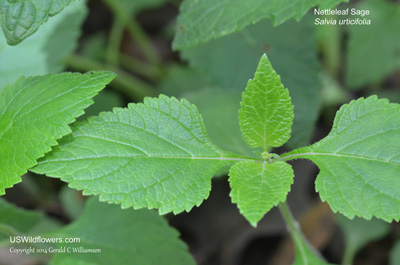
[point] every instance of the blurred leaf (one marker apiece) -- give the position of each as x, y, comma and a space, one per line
231, 61
395, 254
106, 100
220, 110
393, 96
373, 51
35, 112
180, 80
21, 18
123, 236
201, 21
95, 46
72, 202
44, 51
16, 218
359, 232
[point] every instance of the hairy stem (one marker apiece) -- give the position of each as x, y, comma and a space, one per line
301, 243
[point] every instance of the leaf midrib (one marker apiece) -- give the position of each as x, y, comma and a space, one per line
222, 158
303, 155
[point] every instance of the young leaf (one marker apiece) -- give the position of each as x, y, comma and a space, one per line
257, 187
291, 49
201, 21
21, 18
156, 155
359, 160
45, 51
266, 113
137, 237
364, 40
35, 111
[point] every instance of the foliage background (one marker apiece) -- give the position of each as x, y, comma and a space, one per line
323, 67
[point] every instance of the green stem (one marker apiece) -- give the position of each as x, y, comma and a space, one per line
144, 69
124, 82
114, 42
143, 41
348, 256
300, 242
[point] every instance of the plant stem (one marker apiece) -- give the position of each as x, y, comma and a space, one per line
348, 256
114, 42
143, 41
300, 242
145, 69
125, 82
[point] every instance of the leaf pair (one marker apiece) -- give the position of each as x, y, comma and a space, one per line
157, 154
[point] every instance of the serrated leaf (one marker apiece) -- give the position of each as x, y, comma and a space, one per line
155, 155
21, 18
137, 237
257, 187
359, 232
201, 21
292, 50
35, 111
45, 51
266, 113
359, 160
366, 62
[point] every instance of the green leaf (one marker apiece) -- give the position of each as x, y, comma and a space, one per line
292, 50
201, 21
137, 237
359, 160
257, 187
359, 232
367, 63
156, 155
266, 113
395, 254
21, 18
35, 111
16, 219
45, 51
126, 8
